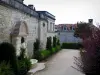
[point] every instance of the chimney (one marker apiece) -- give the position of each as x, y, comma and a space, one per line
90, 21
31, 6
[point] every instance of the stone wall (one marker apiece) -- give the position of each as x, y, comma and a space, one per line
8, 19
68, 37
43, 33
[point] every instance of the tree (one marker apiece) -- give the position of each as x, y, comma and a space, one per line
83, 30
89, 62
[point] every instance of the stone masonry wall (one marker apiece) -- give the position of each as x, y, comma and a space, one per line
8, 19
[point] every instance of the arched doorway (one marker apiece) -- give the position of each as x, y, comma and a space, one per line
19, 36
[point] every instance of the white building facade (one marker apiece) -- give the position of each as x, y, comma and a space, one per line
66, 33
23, 24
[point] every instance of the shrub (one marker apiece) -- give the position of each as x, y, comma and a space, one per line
58, 47
37, 55
24, 63
24, 66
22, 54
36, 45
5, 69
8, 54
58, 42
90, 59
36, 48
49, 43
54, 50
54, 41
45, 54
71, 45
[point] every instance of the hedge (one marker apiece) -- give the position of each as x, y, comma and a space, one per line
71, 46
44, 54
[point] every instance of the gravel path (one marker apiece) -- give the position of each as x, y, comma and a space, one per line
60, 64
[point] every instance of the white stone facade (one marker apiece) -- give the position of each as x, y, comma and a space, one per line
15, 25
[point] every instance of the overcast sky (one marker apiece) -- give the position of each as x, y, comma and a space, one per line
69, 11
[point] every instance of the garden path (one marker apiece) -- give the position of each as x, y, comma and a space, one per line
60, 64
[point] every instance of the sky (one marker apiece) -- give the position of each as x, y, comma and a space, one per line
69, 11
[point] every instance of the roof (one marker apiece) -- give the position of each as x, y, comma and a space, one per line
47, 14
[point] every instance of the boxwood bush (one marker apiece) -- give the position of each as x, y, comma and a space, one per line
5, 69
8, 54
71, 45
45, 53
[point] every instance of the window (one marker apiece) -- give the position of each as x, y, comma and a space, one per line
43, 24
22, 40
50, 26
65, 28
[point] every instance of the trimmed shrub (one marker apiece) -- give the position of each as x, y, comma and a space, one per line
71, 45
8, 54
54, 50
58, 42
24, 63
49, 43
24, 66
58, 47
36, 45
37, 55
22, 54
36, 48
5, 69
54, 41
45, 54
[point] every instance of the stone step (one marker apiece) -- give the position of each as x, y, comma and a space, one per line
40, 66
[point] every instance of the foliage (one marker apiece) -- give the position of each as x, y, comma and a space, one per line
36, 48
90, 59
58, 42
58, 47
54, 50
54, 41
24, 63
23, 66
81, 29
45, 54
36, 45
22, 54
71, 45
5, 69
49, 43
8, 54
37, 55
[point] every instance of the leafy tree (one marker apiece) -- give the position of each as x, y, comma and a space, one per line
89, 62
83, 30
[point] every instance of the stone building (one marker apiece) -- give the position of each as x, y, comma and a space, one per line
66, 33
20, 24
